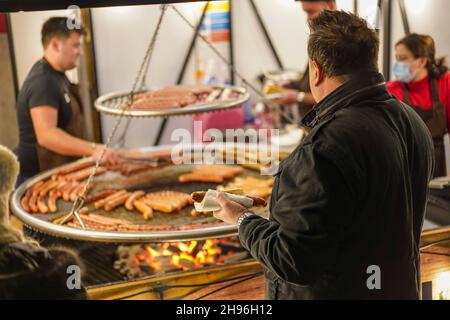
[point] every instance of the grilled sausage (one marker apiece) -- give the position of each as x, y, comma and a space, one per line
99, 195
48, 186
43, 186
52, 197
60, 186
85, 173
195, 177
159, 205
73, 167
129, 204
143, 208
25, 200
76, 192
35, 189
42, 207
88, 189
195, 213
83, 211
101, 203
36, 186
114, 203
67, 191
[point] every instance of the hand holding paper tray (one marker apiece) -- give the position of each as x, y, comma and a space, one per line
206, 201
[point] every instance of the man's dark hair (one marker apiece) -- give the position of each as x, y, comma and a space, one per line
342, 44
57, 27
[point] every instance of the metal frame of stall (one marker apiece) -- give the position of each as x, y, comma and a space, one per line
385, 7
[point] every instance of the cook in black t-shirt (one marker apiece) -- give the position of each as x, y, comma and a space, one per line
49, 109
42, 87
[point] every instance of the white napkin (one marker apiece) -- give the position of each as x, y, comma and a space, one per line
210, 203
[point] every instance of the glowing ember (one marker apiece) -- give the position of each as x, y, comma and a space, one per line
140, 260
181, 255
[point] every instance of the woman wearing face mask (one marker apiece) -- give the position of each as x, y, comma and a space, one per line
423, 82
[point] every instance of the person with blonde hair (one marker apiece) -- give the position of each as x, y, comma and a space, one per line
9, 170
28, 271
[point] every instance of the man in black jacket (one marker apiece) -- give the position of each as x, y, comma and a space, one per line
348, 204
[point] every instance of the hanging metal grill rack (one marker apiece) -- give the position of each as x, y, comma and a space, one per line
116, 103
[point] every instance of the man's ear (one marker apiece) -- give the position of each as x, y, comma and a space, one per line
55, 44
319, 75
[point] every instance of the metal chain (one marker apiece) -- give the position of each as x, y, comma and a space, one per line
79, 202
271, 104
120, 143
142, 73
148, 54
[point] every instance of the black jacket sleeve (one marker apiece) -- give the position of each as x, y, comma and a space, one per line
312, 205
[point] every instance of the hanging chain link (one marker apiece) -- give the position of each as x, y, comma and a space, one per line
141, 75
272, 105
148, 55
120, 143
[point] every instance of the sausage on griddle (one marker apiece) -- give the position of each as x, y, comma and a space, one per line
42, 207
32, 202
159, 205
114, 203
100, 195
70, 168
24, 201
143, 208
129, 204
49, 185
52, 197
101, 203
85, 173
67, 190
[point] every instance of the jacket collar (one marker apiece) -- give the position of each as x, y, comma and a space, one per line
361, 86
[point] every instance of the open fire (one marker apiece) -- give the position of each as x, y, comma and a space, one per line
143, 260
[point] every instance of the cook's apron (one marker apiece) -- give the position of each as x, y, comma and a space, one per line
75, 127
436, 121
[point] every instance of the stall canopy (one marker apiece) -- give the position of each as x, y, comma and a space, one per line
33, 5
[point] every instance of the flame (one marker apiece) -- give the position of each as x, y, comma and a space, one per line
180, 255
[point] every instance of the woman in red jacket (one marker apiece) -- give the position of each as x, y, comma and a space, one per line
423, 82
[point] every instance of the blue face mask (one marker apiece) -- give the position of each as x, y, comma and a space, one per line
402, 72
